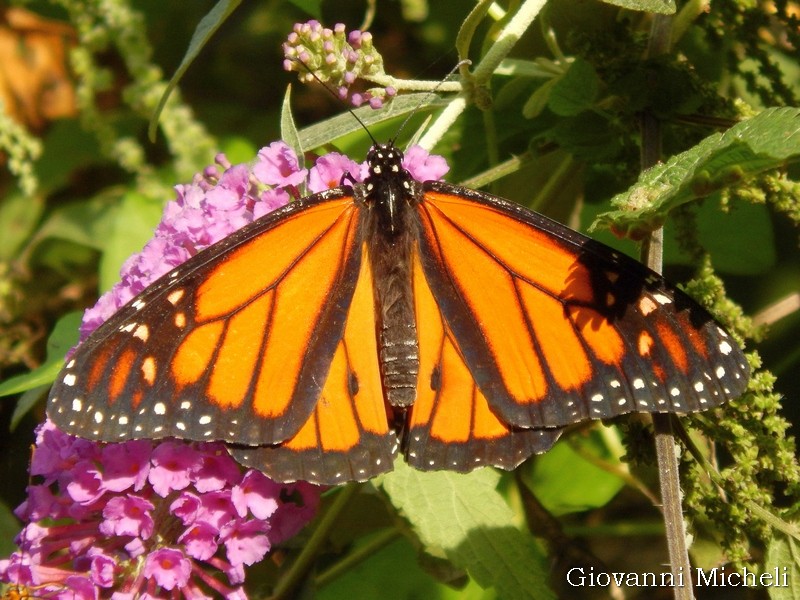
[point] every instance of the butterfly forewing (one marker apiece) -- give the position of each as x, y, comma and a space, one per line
556, 328
347, 437
235, 344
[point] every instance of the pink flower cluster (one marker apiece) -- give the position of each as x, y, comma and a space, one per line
336, 57
145, 520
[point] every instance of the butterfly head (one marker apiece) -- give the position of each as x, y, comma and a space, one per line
385, 162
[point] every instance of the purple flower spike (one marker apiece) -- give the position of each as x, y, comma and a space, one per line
102, 540
126, 465
423, 165
337, 58
278, 165
168, 567
129, 515
329, 170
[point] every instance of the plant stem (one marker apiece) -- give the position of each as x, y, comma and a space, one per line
291, 579
355, 557
506, 40
674, 524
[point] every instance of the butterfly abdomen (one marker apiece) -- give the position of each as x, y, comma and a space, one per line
397, 341
389, 231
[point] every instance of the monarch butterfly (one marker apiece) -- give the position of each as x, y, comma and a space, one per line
455, 325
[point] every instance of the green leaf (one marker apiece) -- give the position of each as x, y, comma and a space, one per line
64, 337
26, 402
326, 131
238, 149
67, 149
662, 7
130, 228
88, 223
586, 137
575, 91
783, 561
463, 517
723, 235
205, 29
767, 141
9, 528
392, 573
289, 133
588, 485
312, 7
19, 215
469, 26
539, 99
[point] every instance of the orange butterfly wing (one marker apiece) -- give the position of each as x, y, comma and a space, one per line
235, 344
347, 437
451, 425
556, 328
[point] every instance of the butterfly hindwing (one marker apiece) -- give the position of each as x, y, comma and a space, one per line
234, 345
451, 425
556, 328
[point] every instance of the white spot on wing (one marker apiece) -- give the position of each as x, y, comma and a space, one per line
69, 379
160, 408
175, 297
77, 404
142, 332
646, 305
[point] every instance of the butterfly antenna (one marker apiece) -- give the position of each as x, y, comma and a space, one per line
459, 64
338, 99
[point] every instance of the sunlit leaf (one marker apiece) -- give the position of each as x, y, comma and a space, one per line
783, 563
664, 7
481, 537
768, 141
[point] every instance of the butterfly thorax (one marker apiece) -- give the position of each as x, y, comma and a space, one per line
389, 188
390, 192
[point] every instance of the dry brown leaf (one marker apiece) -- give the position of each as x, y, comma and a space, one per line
35, 83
